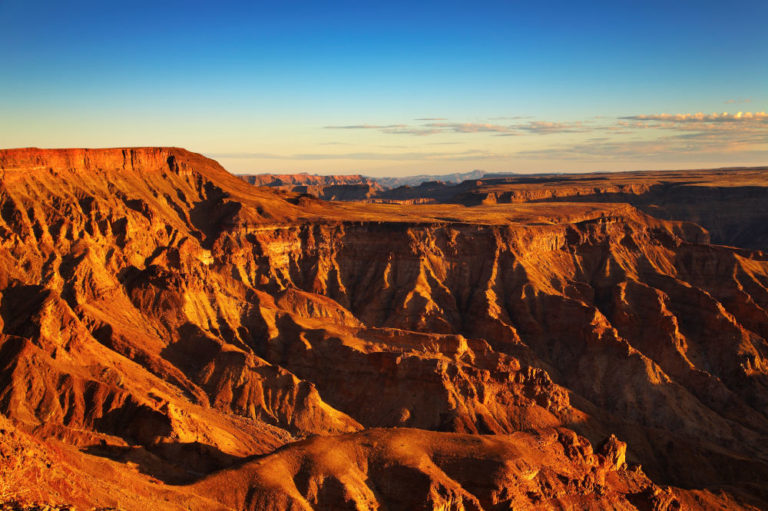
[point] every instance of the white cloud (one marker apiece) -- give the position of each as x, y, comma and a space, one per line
641, 136
547, 128
701, 117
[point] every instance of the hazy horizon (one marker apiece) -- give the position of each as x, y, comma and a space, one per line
510, 172
394, 89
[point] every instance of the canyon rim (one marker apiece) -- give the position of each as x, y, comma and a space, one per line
383, 256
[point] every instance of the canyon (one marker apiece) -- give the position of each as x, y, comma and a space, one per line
172, 336
340, 187
706, 197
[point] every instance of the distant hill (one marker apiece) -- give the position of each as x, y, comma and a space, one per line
359, 186
339, 187
279, 180
394, 182
303, 178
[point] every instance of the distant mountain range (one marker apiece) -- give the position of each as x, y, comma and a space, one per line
458, 177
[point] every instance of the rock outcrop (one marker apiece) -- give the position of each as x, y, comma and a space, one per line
732, 204
412, 469
162, 318
343, 187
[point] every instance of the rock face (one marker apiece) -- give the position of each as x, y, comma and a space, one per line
732, 204
344, 187
411, 469
277, 180
222, 346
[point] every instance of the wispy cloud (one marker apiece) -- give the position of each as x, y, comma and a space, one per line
733, 101
682, 139
701, 117
651, 136
548, 128
705, 132
641, 150
429, 128
470, 127
433, 128
670, 136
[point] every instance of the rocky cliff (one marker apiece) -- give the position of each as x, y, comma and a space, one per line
340, 187
732, 204
222, 346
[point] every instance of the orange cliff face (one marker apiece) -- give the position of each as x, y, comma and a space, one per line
341, 187
276, 180
732, 204
172, 331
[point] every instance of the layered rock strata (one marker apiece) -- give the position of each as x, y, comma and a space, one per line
163, 318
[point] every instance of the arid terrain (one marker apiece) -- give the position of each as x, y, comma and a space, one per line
350, 187
173, 337
732, 204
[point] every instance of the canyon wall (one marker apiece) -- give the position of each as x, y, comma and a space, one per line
222, 346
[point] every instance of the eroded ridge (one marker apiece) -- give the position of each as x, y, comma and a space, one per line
172, 334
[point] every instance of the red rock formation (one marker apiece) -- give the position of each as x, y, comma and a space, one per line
731, 203
411, 469
165, 317
304, 179
341, 187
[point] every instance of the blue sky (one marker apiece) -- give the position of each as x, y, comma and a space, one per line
393, 88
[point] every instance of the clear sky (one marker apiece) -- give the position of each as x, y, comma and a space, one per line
392, 87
